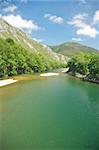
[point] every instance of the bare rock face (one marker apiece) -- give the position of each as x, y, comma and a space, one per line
8, 31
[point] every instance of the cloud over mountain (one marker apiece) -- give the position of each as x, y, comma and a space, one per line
19, 22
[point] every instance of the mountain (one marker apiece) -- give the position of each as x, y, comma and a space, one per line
72, 48
20, 54
8, 31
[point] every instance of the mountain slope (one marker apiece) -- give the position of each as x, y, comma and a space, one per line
8, 31
15, 60
71, 48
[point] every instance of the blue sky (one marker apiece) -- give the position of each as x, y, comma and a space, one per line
53, 22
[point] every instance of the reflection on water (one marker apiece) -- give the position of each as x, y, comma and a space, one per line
53, 113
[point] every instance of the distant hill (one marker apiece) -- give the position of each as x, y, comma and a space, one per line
71, 48
8, 31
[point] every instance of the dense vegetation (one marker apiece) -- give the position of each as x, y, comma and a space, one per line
72, 48
85, 64
27, 42
14, 60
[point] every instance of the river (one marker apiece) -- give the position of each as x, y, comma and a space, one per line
47, 113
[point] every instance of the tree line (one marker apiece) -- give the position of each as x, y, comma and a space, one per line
85, 64
15, 60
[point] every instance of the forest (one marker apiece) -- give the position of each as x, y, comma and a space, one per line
16, 60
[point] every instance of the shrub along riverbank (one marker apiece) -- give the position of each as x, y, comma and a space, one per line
87, 65
16, 60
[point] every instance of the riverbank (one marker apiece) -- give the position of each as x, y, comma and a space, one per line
36, 76
90, 80
83, 77
7, 82
49, 74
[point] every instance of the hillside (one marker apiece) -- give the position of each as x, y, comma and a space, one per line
8, 31
71, 48
20, 54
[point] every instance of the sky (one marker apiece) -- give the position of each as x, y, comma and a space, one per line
53, 22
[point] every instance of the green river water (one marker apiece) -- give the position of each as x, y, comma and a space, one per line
51, 113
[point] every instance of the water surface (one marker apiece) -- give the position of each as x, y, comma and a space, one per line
49, 113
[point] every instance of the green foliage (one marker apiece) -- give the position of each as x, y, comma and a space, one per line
72, 48
93, 67
14, 60
72, 64
85, 64
78, 63
9, 40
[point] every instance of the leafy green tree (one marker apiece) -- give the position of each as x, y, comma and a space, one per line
72, 64
93, 67
14, 60
85, 64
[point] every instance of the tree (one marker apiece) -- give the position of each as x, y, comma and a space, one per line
93, 67
14, 59
85, 64
72, 64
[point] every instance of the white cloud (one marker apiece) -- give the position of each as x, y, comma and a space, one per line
47, 15
81, 16
38, 40
96, 17
10, 9
88, 31
54, 18
78, 20
83, 28
77, 23
19, 22
77, 39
